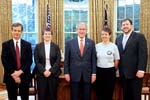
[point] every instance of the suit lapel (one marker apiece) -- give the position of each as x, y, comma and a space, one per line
51, 49
129, 40
77, 48
119, 43
85, 46
12, 46
121, 39
22, 47
43, 50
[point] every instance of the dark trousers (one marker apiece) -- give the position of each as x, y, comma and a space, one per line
12, 89
131, 88
80, 90
105, 83
47, 88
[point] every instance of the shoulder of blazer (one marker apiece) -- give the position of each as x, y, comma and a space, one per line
87, 39
7, 42
71, 41
138, 36
24, 42
54, 44
40, 44
119, 36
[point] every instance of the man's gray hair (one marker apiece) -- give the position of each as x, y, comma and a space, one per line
81, 23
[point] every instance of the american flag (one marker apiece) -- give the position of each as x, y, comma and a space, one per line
105, 16
48, 22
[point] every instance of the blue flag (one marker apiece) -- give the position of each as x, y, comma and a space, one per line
48, 22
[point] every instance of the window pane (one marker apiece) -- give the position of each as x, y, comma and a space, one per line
121, 12
69, 36
67, 26
83, 16
128, 9
136, 24
74, 23
136, 10
67, 15
31, 25
24, 11
30, 12
129, 2
118, 25
74, 12
75, 15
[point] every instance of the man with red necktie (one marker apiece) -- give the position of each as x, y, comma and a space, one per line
17, 59
80, 63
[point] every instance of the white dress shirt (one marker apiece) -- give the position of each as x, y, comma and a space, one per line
47, 55
79, 39
19, 44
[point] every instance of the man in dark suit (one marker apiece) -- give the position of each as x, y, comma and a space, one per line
47, 59
17, 64
80, 63
133, 60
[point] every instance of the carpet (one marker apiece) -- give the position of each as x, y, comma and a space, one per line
3, 95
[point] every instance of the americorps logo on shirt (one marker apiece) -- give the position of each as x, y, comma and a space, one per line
109, 52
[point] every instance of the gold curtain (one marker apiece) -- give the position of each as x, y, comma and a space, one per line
111, 17
96, 13
96, 19
145, 24
42, 7
5, 26
56, 8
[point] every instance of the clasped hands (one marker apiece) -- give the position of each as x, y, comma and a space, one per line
47, 73
16, 76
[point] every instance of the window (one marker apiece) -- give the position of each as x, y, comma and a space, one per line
128, 9
75, 11
24, 11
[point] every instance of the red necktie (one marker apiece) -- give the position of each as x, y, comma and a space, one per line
81, 47
18, 56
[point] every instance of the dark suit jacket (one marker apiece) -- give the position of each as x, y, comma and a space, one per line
75, 65
134, 56
40, 61
9, 60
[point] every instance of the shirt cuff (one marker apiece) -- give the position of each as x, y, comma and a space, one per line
141, 71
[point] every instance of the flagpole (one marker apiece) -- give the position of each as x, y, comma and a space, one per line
105, 15
48, 20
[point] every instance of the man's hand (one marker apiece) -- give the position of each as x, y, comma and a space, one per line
67, 77
17, 73
140, 74
93, 78
17, 80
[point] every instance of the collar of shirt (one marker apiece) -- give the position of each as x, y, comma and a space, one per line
19, 42
47, 43
80, 39
128, 35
